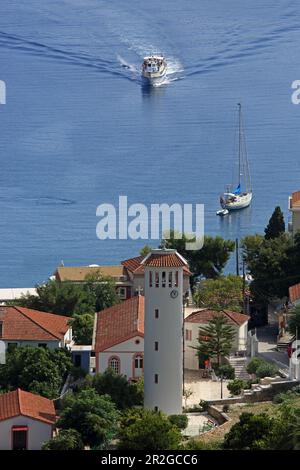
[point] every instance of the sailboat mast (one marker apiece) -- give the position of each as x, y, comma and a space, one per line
240, 144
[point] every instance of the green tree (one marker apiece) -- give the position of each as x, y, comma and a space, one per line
36, 370
276, 225
223, 293
66, 439
123, 393
252, 432
145, 250
67, 298
147, 430
82, 328
208, 262
216, 338
95, 417
268, 256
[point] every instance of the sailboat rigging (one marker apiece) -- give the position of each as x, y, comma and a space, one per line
241, 196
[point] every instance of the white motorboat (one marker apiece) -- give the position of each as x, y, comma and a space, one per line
234, 199
222, 212
154, 69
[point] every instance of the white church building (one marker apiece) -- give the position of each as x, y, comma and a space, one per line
143, 335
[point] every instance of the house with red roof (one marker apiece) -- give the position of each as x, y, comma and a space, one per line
129, 276
26, 420
200, 318
20, 326
119, 336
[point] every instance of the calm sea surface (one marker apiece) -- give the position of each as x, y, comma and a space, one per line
79, 129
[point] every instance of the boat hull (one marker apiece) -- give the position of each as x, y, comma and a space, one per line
242, 201
154, 79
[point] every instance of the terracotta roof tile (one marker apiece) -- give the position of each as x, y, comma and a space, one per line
134, 265
164, 260
119, 323
20, 323
27, 404
205, 315
294, 292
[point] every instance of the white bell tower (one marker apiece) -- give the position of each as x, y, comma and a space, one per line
163, 341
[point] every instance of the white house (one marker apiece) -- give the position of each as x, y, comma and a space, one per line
200, 318
119, 338
26, 420
20, 326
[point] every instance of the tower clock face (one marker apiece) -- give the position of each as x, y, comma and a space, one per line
174, 293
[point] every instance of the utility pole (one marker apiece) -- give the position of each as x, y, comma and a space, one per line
244, 289
237, 256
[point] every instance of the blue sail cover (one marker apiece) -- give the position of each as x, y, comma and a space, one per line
238, 190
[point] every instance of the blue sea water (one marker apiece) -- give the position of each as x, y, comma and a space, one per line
79, 129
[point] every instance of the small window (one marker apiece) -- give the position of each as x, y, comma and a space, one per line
42, 345
122, 293
188, 335
150, 279
138, 362
156, 408
77, 360
156, 313
156, 346
114, 364
156, 378
176, 279
170, 278
157, 279
163, 279
1, 329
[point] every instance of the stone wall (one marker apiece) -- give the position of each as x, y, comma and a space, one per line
266, 393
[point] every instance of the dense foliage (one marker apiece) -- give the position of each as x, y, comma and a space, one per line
66, 439
143, 429
223, 293
75, 300
95, 417
36, 370
123, 393
252, 432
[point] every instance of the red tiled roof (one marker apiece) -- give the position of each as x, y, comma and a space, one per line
205, 315
134, 265
27, 404
120, 323
294, 292
20, 323
164, 260
296, 199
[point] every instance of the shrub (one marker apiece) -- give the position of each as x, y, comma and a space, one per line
266, 370
181, 421
251, 432
226, 370
254, 365
66, 439
226, 408
236, 386
204, 405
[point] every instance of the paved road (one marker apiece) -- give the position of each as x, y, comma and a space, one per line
267, 336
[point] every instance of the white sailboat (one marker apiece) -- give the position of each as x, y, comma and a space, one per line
241, 196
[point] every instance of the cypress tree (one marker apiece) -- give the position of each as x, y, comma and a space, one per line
276, 225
